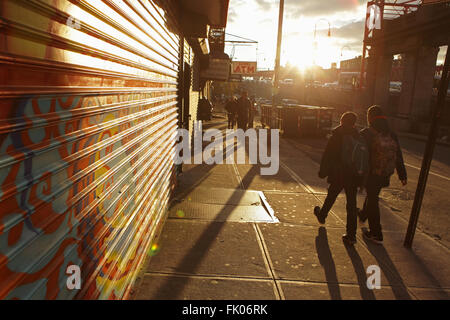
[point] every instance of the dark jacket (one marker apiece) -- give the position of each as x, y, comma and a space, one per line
243, 107
231, 106
331, 165
382, 125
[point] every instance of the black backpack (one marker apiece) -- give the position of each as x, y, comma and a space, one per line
355, 155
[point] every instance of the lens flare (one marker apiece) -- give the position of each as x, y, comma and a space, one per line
154, 249
180, 214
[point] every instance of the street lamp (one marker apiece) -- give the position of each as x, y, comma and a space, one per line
315, 27
275, 93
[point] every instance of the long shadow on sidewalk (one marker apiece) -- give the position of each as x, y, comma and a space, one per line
390, 271
366, 293
387, 265
194, 257
327, 262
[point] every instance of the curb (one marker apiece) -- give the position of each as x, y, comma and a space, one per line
421, 138
409, 135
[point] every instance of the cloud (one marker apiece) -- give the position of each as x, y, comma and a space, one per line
296, 8
232, 15
351, 31
311, 7
266, 5
258, 19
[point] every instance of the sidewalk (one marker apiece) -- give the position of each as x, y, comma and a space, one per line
422, 138
222, 240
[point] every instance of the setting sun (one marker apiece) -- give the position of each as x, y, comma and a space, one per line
303, 54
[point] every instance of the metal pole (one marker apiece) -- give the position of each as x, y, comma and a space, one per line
278, 54
363, 58
428, 156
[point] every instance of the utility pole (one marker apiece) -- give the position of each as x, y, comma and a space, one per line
428, 156
276, 84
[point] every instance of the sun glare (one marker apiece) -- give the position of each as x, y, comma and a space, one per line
303, 54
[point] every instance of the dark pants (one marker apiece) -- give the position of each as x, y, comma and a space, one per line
250, 121
231, 120
242, 123
350, 192
371, 209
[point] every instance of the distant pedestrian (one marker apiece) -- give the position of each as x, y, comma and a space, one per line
243, 109
345, 162
252, 111
385, 157
231, 108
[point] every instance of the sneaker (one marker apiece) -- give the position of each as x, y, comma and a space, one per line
370, 237
362, 217
350, 241
319, 217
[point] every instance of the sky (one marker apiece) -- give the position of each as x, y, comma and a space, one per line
258, 20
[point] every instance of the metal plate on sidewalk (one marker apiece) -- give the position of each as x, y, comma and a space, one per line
223, 205
236, 197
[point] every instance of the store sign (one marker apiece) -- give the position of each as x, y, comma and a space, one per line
245, 68
218, 69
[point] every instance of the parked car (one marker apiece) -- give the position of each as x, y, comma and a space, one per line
436, 83
331, 85
395, 86
289, 102
349, 80
288, 81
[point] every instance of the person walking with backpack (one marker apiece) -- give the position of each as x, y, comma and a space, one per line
385, 156
345, 162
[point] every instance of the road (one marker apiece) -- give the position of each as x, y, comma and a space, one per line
434, 217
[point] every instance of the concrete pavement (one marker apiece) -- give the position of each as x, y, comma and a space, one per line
222, 246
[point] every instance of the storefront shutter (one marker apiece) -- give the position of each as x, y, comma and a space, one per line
88, 121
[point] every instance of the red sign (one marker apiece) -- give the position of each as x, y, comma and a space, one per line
243, 67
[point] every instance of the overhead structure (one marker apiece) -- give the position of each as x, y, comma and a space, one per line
195, 18
203, 24
241, 41
377, 12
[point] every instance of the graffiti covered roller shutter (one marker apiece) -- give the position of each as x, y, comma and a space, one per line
88, 122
